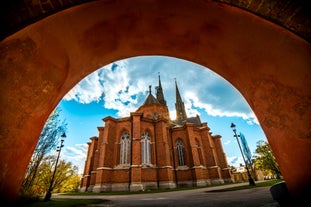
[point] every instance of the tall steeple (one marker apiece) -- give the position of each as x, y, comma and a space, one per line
159, 93
180, 106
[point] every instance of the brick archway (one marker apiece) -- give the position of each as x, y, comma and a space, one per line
266, 63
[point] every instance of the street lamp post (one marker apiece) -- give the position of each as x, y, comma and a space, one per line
250, 179
59, 148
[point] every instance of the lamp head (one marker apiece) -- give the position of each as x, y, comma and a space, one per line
233, 127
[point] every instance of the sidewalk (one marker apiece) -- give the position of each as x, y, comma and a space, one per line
215, 196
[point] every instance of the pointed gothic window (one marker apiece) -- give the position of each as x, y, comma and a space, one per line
145, 148
125, 148
181, 152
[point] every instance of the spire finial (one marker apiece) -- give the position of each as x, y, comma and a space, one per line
149, 89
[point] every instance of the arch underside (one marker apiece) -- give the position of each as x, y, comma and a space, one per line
266, 63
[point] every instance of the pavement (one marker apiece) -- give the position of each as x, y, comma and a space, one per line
216, 196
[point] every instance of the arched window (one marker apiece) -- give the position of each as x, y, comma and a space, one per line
125, 148
145, 148
181, 152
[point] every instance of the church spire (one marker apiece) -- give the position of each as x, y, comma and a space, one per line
159, 94
180, 106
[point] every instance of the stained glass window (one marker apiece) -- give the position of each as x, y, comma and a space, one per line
181, 152
145, 148
125, 148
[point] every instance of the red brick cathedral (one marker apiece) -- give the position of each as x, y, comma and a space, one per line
148, 150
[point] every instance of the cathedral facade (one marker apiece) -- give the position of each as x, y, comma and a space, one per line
148, 150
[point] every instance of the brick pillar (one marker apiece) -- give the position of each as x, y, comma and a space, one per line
214, 151
197, 171
86, 173
136, 184
214, 169
220, 152
223, 164
104, 168
166, 176
89, 163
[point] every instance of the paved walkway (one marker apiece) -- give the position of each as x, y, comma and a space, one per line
203, 197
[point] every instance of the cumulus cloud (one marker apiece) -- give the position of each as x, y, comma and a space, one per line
88, 90
76, 154
123, 86
235, 161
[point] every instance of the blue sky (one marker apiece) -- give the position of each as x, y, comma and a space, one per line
121, 87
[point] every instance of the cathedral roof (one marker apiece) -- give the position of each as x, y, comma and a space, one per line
150, 99
195, 120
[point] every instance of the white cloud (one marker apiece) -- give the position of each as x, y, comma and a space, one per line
227, 142
87, 90
76, 155
123, 85
235, 161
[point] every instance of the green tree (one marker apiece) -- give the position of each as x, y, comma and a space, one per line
264, 159
49, 137
66, 176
